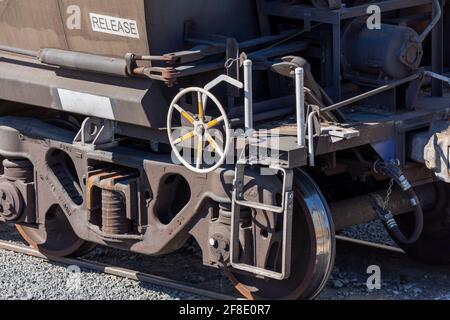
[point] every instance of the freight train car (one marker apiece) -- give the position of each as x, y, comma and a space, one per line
259, 128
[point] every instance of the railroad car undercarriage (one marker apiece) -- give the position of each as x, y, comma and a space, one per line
259, 140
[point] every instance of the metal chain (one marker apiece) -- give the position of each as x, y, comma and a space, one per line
388, 195
395, 162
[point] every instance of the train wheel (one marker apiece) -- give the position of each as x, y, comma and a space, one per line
433, 247
55, 237
313, 251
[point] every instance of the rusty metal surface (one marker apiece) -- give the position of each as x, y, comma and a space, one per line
114, 213
129, 193
31, 25
39, 24
210, 17
34, 25
17, 191
87, 40
132, 100
156, 237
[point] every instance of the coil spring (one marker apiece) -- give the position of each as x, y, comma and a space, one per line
18, 169
114, 213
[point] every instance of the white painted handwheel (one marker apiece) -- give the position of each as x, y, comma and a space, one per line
200, 130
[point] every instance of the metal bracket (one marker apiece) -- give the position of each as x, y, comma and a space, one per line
168, 75
340, 132
222, 78
96, 132
286, 209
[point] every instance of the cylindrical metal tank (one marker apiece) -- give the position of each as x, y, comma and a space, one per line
392, 51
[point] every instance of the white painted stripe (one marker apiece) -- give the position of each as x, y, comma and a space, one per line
86, 104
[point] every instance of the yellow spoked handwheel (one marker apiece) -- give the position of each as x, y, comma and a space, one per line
200, 130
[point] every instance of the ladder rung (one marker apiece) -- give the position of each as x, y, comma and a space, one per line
260, 206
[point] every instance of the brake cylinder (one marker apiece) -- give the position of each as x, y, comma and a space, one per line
84, 61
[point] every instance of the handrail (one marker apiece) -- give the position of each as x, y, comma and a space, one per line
434, 21
300, 106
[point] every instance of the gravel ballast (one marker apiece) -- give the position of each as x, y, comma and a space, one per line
372, 232
27, 278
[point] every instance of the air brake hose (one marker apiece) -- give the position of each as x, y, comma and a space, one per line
392, 170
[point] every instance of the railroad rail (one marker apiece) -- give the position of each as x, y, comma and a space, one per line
389, 251
118, 272
174, 284
370, 244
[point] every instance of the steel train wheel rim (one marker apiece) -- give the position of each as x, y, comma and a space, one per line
55, 238
321, 246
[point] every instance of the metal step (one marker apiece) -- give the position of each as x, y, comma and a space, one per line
238, 202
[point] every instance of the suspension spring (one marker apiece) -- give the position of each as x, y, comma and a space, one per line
114, 213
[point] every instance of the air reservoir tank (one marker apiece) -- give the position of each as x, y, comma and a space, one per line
391, 52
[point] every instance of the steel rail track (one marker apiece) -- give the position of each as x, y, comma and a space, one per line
372, 245
390, 252
163, 281
118, 272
